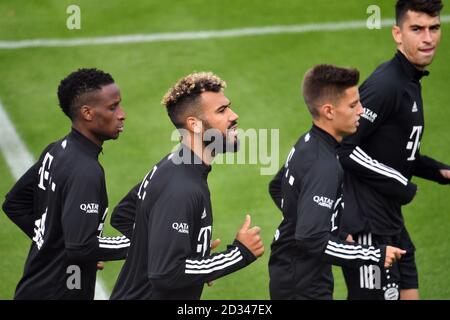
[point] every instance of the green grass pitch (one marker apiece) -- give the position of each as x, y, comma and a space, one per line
263, 75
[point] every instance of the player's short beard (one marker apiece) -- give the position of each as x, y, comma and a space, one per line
227, 145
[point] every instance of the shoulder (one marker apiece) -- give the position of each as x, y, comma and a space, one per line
79, 167
176, 180
306, 153
315, 158
388, 80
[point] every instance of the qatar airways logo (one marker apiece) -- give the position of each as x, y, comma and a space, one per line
181, 227
89, 207
323, 201
369, 115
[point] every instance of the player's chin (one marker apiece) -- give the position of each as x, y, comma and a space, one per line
352, 129
114, 135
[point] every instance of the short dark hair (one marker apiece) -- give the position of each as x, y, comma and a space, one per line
72, 88
182, 99
326, 81
430, 7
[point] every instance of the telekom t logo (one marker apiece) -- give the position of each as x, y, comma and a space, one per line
203, 243
43, 170
415, 143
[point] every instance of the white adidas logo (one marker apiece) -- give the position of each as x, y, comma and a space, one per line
414, 108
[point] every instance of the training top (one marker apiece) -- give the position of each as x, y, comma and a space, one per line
61, 204
384, 153
169, 256
308, 190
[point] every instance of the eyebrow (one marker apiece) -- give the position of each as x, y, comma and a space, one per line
422, 27
115, 102
224, 106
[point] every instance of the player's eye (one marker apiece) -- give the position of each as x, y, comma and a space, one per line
113, 107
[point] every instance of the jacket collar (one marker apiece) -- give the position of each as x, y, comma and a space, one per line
87, 145
186, 156
325, 136
409, 68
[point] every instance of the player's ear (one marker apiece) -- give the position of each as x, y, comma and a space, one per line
86, 113
397, 35
194, 125
327, 111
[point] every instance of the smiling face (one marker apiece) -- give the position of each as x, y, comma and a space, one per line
218, 116
418, 37
105, 114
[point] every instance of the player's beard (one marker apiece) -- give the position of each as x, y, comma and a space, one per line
227, 144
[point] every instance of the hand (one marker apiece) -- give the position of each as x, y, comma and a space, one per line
445, 173
250, 238
100, 265
350, 239
393, 254
214, 245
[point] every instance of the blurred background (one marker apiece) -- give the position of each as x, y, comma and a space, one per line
263, 73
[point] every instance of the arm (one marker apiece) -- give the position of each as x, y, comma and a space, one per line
430, 169
80, 228
123, 216
275, 188
354, 159
175, 258
18, 204
317, 209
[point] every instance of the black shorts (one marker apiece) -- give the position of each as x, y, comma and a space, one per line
375, 283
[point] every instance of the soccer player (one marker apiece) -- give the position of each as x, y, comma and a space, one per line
61, 201
383, 155
308, 190
170, 256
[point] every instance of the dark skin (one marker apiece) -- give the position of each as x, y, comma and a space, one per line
101, 117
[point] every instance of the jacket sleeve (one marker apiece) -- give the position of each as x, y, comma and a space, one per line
386, 180
275, 188
81, 228
18, 204
317, 208
124, 214
175, 258
428, 168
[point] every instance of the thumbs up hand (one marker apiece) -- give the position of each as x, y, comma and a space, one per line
250, 237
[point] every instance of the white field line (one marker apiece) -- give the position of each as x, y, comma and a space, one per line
16, 154
196, 35
19, 160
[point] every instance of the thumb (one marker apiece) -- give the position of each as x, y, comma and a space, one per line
215, 244
246, 224
398, 253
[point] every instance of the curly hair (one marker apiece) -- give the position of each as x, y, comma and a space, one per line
324, 82
76, 85
430, 7
182, 99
